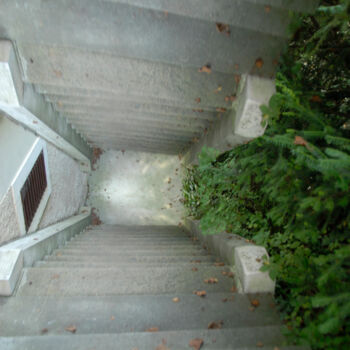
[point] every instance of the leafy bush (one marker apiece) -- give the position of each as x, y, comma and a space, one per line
290, 189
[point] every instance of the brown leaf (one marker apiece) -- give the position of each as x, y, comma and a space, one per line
112, 318
205, 69
44, 331
194, 269
230, 274
215, 325
162, 347
211, 280
255, 302
315, 98
259, 63
233, 289
58, 73
230, 98
71, 329
237, 78
221, 109
259, 344
196, 343
176, 300
224, 273
198, 99
200, 293
152, 329
267, 9
219, 264
224, 300
198, 110
55, 276
236, 66
300, 141
223, 28
218, 89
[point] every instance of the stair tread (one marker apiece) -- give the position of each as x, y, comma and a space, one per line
118, 314
130, 280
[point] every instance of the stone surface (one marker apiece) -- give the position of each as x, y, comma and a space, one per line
248, 261
9, 228
69, 187
137, 188
11, 263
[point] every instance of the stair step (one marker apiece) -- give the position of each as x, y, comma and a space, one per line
114, 281
126, 240
133, 252
132, 248
107, 265
126, 313
238, 338
132, 259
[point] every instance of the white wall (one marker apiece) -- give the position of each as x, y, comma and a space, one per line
69, 183
15, 143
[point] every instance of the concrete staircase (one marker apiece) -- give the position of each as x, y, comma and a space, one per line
132, 287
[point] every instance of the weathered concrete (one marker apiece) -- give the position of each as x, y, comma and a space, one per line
27, 250
69, 188
20, 103
129, 56
248, 262
137, 188
241, 124
245, 258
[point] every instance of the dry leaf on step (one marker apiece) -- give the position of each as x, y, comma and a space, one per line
196, 343
71, 329
152, 329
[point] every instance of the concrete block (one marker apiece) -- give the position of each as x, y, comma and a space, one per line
257, 91
11, 263
248, 261
227, 247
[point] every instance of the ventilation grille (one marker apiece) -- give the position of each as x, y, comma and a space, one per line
33, 189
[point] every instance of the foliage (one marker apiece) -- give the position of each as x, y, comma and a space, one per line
290, 189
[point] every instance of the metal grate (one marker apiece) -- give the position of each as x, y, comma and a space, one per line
33, 190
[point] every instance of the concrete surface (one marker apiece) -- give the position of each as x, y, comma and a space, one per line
27, 250
248, 261
245, 258
146, 53
68, 187
31, 110
134, 188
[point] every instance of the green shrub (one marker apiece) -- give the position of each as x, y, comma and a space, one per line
290, 189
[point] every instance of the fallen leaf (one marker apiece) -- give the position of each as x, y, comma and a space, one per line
251, 308
259, 344
169, 180
315, 98
55, 276
258, 260
224, 273
44, 331
215, 325
112, 318
219, 264
152, 329
205, 69
162, 347
233, 289
267, 9
219, 88
230, 274
259, 63
194, 269
176, 300
236, 66
300, 141
211, 280
223, 28
221, 109
200, 293
58, 73
276, 348
198, 110
255, 302
198, 99
196, 343
71, 329
224, 300
237, 78
230, 98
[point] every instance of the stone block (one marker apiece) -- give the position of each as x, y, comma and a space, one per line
248, 261
11, 263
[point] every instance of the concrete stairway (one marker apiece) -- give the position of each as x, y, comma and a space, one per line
110, 286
